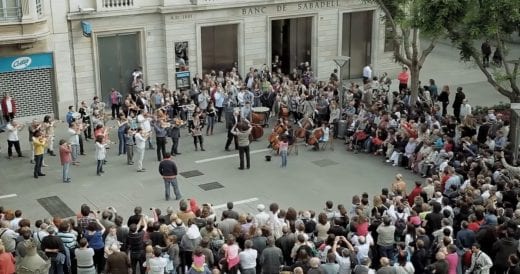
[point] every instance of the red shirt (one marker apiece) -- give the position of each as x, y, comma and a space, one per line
6, 263
474, 226
65, 155
416, 191
403, 77
362, 229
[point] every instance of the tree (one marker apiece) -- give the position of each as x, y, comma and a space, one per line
496, 20
406, 21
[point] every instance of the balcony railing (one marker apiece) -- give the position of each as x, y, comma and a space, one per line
23, 10
10, 14
106, 5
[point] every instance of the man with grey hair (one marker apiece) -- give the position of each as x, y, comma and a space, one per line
315, 267
262, 217
271, 258
8, 236
248, 258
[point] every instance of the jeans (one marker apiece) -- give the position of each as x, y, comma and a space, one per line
122, 142
74, 152
231, 137
161, 147
115, 110
56, 267
129, 154
99, 167
283, 154
81, 150
66, 168
175, 145
241, 152
38, 161
173, 183
387, 251
210, 125
140, 157
16, 145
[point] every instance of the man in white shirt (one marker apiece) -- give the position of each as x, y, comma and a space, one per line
13, 139
367, 73
248, 258
140, 145
262, 218
74, 142
143, 121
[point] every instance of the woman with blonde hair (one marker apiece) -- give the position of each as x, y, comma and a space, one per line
7, 262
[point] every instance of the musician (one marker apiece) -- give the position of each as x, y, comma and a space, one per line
160, 137
142, 102
101, 154
211, 114
74, 133
48, 129
39, 143
96, 104
122, 125
246, 111
130, 143
35, 126
140, 146
219, 101
143, 121
70, 115
196, 131
85, 112
12, 138
242, 131
175, 134
307, 124
325, 135
231, 121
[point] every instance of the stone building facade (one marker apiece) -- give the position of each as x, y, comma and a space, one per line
96, 44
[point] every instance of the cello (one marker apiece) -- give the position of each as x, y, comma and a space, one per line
315, 136
256, 132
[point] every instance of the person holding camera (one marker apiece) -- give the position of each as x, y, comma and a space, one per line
480, 262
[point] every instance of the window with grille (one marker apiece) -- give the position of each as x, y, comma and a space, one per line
39, 7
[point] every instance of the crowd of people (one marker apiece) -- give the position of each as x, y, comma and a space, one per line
463, 218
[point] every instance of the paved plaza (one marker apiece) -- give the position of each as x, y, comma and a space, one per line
310, 178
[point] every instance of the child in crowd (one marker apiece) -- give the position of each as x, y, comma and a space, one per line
66, 159
284, 147
100, 154
130, 142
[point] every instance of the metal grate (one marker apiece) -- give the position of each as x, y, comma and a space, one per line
191, 173
56, 207
211, 186
324, 163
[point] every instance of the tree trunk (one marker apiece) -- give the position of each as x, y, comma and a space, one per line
415, 72
514, 130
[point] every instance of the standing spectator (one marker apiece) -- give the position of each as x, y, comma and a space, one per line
12, 138
480, 262
94, 236
248, 258
168, 171
7, 262
160, 138
271, 258
84, 256
465, 109
175, 134
242, 131
65, 159
8, 107
367, 73
386, 238
486, 52
457, 103
118, 262
115, 102
444, 98
403, 79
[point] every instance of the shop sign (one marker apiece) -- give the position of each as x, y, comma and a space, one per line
26, 62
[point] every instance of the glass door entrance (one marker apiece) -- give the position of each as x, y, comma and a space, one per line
356, 42
291, 42
219, 46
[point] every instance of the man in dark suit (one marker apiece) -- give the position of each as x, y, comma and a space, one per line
175, 133
231, 121
271, 258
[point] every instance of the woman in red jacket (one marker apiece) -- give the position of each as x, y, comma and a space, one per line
403, 79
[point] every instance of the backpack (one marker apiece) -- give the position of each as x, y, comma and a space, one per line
400, 227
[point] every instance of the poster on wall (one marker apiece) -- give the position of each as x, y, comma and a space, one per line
182, 62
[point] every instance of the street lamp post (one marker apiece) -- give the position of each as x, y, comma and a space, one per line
341, 61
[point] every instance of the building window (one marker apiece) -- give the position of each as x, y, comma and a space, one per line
39, 7
389, 36
10, 10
